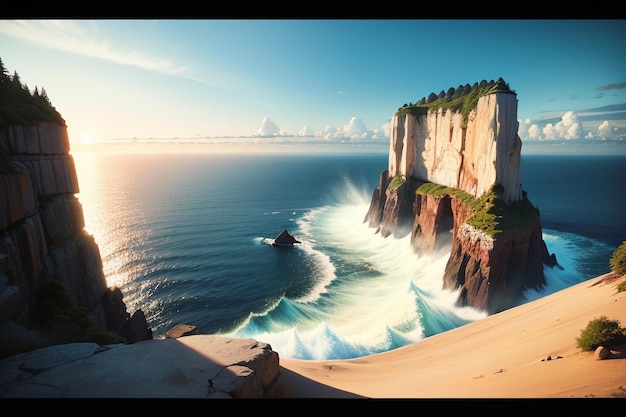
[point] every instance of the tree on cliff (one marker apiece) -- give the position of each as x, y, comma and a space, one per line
4, 73
18, 106
44, 95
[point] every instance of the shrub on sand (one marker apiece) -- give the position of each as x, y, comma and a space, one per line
601, 332
618, 259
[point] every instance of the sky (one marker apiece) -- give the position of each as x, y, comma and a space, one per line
331, 79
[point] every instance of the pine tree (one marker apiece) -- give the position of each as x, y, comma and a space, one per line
16, 80
44, 95
4, 73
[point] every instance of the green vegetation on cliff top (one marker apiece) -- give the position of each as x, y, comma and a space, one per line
490, 213
19, 106
396, 182
463, 99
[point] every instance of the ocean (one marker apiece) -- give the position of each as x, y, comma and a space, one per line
187, 238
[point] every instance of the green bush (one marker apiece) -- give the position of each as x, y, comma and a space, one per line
490, 213
601, 332
63, 321
618, 259
621, 287
396, 183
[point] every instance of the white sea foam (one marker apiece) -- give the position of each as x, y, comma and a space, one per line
568, 248
373, 293
377, 293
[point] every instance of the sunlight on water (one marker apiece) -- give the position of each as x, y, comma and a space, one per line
109, 236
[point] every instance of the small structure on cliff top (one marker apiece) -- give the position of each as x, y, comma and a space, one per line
285, 239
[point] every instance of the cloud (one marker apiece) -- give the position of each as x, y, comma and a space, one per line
199, 80
330, 132
534, 132
570, 127
354, 130
306, 131
617, 86
607, 130
269, 128
86, 40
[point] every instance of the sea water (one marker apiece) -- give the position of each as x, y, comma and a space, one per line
187, 238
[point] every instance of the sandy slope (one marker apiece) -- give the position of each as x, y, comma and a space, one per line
502, 356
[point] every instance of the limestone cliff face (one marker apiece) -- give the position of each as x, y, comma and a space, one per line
440, 149
42, 234
470, 155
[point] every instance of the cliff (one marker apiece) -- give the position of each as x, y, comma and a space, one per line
43, 241
453, 178
471, 156
49, 264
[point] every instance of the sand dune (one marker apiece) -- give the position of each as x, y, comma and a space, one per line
525, 352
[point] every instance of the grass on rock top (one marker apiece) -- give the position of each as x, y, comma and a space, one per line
491, 213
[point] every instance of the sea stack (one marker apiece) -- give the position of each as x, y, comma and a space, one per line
453, 179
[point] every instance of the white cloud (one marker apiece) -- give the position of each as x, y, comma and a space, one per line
269, 128
354, 130
534, 132
306, 131
568, 128
329, 132
84, 39
527, 130
549, 132
605, 130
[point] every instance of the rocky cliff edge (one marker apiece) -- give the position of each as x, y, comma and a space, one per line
42, 240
